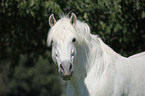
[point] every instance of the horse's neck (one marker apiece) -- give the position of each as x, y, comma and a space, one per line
93, 56
95, 62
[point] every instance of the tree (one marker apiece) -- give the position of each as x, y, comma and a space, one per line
30, 71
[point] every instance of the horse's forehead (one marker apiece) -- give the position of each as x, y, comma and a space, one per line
64, 38
63, 33
62, 43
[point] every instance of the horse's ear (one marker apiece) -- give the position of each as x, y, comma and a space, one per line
52, 20
73, 19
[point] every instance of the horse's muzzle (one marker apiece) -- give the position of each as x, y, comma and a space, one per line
66, 70
66, 76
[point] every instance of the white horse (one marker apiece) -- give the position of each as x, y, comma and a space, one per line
90, 66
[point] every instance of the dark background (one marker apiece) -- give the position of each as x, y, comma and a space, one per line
26, 67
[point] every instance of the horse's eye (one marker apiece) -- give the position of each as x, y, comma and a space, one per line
74, 39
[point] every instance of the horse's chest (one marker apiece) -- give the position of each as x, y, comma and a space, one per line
99, 86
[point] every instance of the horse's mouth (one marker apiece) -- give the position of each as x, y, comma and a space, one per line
66, 78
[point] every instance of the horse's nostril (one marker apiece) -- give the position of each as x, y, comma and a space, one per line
61, 67
70, 67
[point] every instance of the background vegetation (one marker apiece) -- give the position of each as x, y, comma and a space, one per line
26, 68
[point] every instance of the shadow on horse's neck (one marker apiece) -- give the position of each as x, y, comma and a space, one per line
87, 53
82, 66
80, 71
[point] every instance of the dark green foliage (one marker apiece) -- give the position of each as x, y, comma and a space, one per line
26, 68
34, 80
